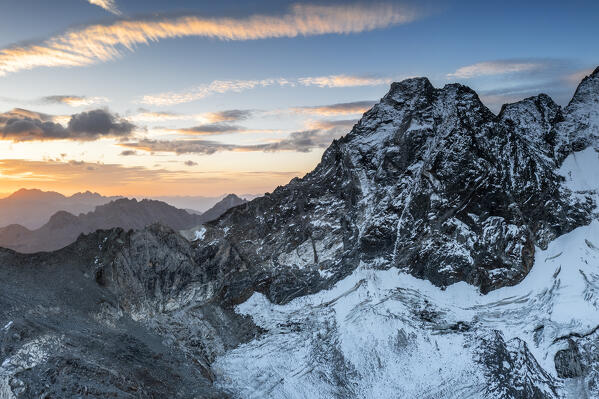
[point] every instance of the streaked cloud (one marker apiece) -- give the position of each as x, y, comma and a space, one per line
344, 81
100, 43
212, 129
159, 116
108, 5
216, 87
237, 86
205, 147
488, 68
74, 101
24, 125
302, 141
356, 107
230, 115
318, 135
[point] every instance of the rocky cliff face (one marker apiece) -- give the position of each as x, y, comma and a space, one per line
429, 181
362, 279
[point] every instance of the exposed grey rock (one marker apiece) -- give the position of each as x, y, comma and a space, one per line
513, 372
568, 362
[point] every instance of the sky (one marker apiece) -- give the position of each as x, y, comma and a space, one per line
190, 97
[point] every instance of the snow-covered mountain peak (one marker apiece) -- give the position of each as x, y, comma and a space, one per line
532, 119
580, 127
407, 89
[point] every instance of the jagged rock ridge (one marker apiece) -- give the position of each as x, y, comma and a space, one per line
429, 181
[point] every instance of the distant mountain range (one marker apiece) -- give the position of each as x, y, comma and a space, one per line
64, 227
33, 208
198, 203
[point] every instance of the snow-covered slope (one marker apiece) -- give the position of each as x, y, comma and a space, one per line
387, 334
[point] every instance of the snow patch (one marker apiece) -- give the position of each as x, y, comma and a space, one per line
200, 234
581, 170
385, 333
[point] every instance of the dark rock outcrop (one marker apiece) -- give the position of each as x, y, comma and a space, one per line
568, 362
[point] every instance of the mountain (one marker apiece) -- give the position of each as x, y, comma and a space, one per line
228, 202
198, 203
63, 228
437, 250
33, 208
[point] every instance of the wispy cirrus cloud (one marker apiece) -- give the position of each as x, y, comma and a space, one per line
237, 86
231, 115
344, 81
108, 5
215, 87
500, 67
144, 115
100, 43
74, 101
23, 125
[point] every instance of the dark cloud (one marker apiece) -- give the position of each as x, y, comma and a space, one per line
72, 100
128, 153
190, 163
212, 129
230, 115
97, 123
62, 99
303, 141
23, 125
205, 147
